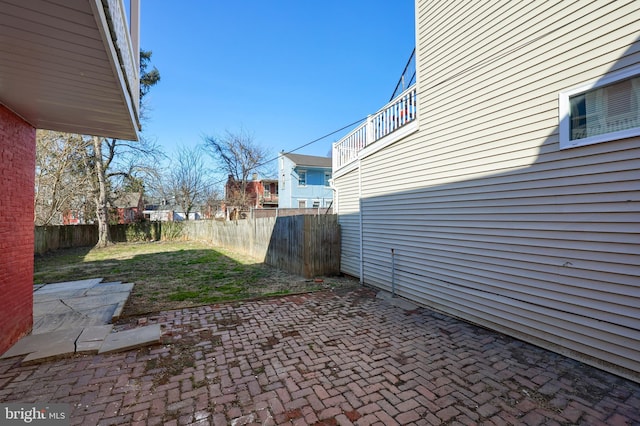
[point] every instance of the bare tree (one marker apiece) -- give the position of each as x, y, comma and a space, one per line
238, 155
108, 164
189, 180
100, 154
96, 164
113, 164
61, 182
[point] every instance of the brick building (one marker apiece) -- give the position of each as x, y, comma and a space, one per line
57, 78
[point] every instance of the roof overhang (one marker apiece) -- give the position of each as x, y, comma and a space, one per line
71, 65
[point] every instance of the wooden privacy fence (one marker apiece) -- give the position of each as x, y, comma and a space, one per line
49, 238
304, 245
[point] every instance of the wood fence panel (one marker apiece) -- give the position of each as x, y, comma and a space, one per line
321, 245
250, 237
303, 245
50, 238
285, 248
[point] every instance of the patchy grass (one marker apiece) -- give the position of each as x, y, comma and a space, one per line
173, 275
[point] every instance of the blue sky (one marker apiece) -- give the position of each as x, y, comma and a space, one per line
285, 71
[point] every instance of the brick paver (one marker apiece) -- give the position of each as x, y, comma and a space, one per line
325, 359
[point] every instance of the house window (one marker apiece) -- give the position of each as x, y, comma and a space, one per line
302, 178
267, 191
327, 177
603, 111
316, 204
302, 204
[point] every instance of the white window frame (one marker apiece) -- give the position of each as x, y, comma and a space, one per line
306, 176
565, 109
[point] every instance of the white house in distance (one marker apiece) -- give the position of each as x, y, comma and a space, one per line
304, 181
504, 187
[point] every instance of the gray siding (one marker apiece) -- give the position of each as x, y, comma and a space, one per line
492, 222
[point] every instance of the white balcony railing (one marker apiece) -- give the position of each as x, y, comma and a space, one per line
126, 42
393, 116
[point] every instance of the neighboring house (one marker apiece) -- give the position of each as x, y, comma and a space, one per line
180, 215
257, 193
128, 208
510, 196
73, 217
167, 213
68, 66
304, 181
159, 215
270, 194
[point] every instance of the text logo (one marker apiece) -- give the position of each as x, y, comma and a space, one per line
40, 414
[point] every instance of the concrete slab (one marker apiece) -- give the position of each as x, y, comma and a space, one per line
98, 315
89, 302
57, 342
85, 303
109, 289
50, 307
57, 295
73, 317
80, 285
91, 338
118, 311
131, 339
44, 324
61, 349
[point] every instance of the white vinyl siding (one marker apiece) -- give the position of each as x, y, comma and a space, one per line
489, 220
348, 209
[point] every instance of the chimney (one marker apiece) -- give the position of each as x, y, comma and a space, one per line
255, 177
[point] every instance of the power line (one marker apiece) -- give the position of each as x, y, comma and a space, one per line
315, 140
303, 146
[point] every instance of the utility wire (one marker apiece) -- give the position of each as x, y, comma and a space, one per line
315, 140
302, 146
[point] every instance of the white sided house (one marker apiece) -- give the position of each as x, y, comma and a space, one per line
504, 186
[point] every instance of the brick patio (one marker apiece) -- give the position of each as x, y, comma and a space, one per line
325, 359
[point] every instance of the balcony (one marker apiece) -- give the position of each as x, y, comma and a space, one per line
392, 122
71, 66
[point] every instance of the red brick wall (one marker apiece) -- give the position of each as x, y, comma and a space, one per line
17, 179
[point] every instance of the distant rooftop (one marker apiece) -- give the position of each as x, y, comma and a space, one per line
309, 160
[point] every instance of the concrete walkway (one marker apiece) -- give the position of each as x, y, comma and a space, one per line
76, 317
325, 359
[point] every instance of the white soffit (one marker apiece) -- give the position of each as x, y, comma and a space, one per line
59, 71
